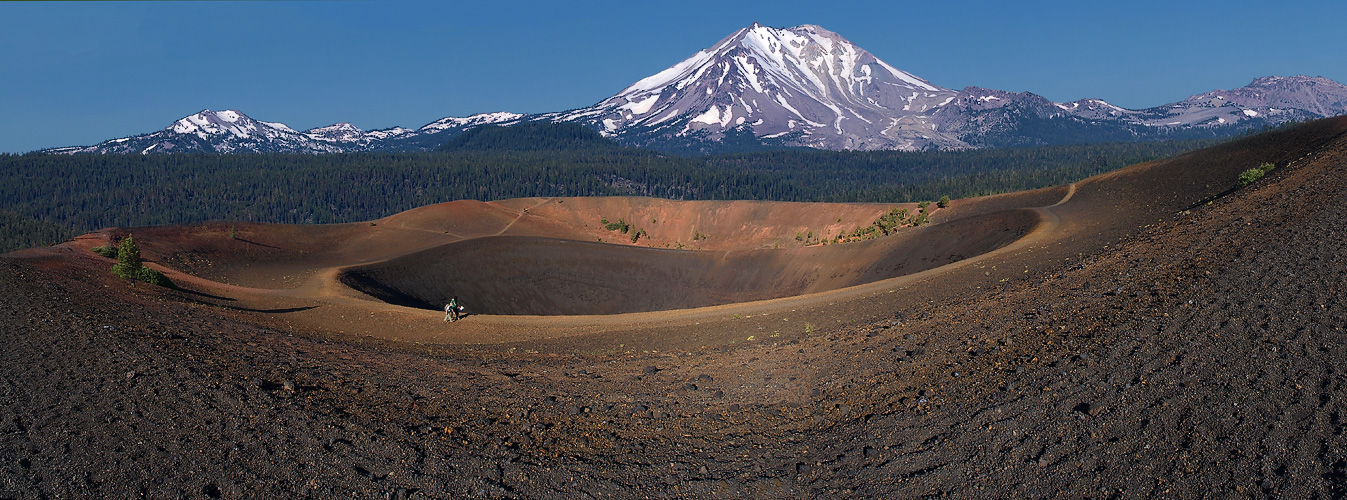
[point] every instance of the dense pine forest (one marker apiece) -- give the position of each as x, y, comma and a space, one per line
45, 199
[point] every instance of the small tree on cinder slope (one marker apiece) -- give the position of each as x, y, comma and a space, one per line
128, 259
129, 265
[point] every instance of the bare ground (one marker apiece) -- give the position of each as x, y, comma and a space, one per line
1158, 336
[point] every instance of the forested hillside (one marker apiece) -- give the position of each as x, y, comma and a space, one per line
530, 136
50, 198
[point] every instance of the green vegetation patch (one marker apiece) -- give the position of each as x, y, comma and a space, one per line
1249, 176
620, 225
109, 251
129, 265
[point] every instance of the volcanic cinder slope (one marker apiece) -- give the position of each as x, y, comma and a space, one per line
1148, 332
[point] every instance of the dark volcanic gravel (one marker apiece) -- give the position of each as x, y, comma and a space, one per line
1200, 357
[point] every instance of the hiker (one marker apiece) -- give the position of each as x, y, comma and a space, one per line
452, 309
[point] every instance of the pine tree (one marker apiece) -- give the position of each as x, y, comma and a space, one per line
129, 265
128, 259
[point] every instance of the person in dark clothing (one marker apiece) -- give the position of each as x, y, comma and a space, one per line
452, 310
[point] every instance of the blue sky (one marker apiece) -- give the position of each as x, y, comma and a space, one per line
77, 73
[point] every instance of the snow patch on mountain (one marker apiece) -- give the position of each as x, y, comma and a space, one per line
388, 133
471, 121
337, 132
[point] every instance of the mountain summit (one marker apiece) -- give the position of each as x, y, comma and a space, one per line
804, 85
807, 86
228, 131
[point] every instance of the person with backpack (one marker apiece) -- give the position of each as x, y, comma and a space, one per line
453, 311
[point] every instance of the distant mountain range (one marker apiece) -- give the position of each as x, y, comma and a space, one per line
231, 131
798, 87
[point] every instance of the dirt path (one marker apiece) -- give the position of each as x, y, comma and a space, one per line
1070, 191
522, 213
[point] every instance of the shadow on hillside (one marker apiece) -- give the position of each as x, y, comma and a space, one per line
269, 311
250, 242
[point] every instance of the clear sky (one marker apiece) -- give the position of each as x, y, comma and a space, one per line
77, 73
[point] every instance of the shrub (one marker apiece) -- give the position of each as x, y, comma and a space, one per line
896, 217
108, 251
944, 202
152, 277
1249, 176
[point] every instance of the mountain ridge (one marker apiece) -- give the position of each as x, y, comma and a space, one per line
794, 87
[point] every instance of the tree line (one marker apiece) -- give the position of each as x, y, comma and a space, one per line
45, 198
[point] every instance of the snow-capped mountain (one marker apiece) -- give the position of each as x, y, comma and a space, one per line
351, 138
231, 131
209, 131
802, 86
452, 123
992, 118
805, 85
1273, 99
337, 132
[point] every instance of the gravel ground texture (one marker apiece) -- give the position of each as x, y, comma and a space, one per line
1195, 354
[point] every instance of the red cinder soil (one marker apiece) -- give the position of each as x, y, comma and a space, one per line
1146, 333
